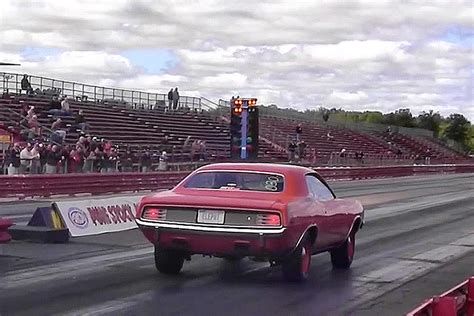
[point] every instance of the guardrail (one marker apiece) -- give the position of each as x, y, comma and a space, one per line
23, 186
65, 184
456, 301
4, 235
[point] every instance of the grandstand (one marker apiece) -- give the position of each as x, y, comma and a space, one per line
135, 119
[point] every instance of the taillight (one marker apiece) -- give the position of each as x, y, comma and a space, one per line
154, 214
268, 219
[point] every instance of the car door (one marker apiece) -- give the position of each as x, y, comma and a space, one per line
320, 215
337, 223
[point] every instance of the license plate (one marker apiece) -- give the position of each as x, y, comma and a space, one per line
210, 217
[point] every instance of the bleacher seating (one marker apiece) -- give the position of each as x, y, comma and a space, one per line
126, 126
135, 128
420, 146
315, 136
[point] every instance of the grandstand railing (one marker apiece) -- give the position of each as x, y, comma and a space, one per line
11, 83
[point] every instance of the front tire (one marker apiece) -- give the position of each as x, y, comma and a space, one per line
342, 256
168, 261
296, 267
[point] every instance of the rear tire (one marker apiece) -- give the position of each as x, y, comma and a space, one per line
296, 267
342, 256
168, 261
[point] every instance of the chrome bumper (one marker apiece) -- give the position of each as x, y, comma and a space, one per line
211, 229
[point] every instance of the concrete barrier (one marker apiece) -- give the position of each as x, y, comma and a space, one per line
23, 186
456, 301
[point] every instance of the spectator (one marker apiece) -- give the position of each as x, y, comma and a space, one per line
35, 166
59, 107
187, 149
145, 160
314, 156
113, 159
329, 136
30, 113
90, 162
57, 130
399, 153
35, 129
202, 150
63, 165
80, 122
170, 99
53, 157
428, 156
175, 99
292, 151
54, 107
26, 156
299, 131
65, 106
94, 144
14, 160
76, 160
43, 153
342, 153
165, 143
26, 85
163, 161
195, 150
24, 110
302, 149
81, 142
106, 145
127, 160
105, 162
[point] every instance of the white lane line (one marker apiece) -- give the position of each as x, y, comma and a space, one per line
112, 306
366, 286
443, 254
465, 241
399, 271
378, 282
72, 268
396, 209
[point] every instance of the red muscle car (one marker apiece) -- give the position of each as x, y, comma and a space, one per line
280, 213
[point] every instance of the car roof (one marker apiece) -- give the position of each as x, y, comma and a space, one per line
284, 169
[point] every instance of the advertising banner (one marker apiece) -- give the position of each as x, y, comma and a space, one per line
98, 216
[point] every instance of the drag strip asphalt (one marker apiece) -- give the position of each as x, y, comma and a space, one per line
416, 228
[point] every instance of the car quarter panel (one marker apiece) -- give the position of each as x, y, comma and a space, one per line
341, 216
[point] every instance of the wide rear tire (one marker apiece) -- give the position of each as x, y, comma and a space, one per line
342, 256
168, 261
296, 267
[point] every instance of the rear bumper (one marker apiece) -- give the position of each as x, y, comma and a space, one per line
219, 241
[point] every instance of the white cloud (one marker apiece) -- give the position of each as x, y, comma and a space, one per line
375, 54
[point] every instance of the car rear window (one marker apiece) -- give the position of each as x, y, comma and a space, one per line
225, 180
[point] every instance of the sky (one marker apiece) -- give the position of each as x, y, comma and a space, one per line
356, 55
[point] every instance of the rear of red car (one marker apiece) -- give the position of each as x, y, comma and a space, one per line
226, 223
222, 212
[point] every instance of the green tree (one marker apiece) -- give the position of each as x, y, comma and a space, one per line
430, 120
458, 128
374, 117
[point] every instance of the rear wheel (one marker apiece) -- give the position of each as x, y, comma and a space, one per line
168, 261
296, 267
342, 256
